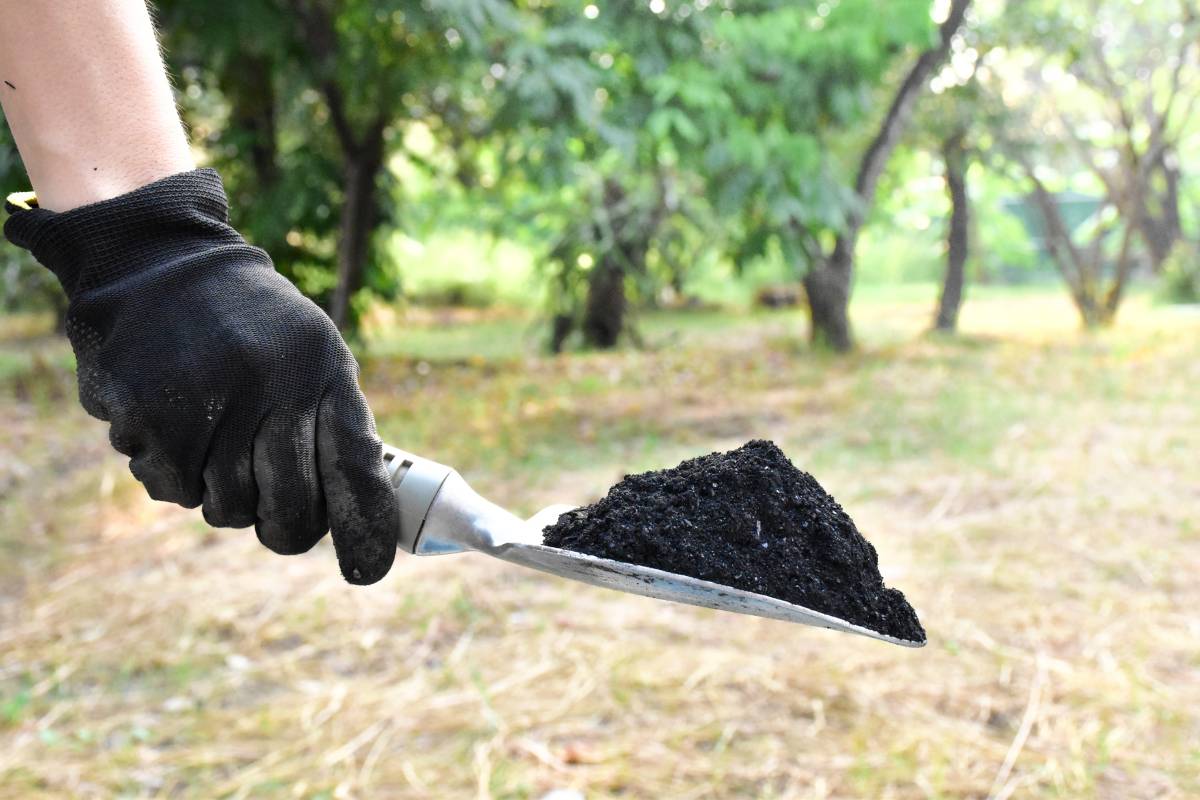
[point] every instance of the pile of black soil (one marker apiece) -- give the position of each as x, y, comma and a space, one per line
747, 519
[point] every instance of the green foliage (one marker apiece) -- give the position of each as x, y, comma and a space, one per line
24, 285
1099, 96
724, 128
580, 160
1004, 251
12, 172
731, 130
286, 96
775, 101
1180, 278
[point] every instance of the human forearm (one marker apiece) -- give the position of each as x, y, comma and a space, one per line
225, 386
85, 94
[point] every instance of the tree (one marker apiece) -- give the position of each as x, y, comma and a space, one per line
1139, 67
581, 147
828, 284
1095, 277
954, 160
955, 123
1106, 91
755, 103
317, 95
771, 116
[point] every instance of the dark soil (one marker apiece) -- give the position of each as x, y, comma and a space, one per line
747, 519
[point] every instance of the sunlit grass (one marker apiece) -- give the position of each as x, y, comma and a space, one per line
1031, 488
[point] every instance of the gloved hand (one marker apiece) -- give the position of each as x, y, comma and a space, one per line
223, 383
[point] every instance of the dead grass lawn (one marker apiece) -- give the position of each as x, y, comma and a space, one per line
1035, 493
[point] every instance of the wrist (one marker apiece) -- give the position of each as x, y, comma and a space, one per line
167, 222
69, 178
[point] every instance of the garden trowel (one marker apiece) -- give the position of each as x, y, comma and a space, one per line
440, 513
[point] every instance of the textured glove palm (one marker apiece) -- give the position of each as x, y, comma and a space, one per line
224, 385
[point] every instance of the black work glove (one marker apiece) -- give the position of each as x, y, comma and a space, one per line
223, 383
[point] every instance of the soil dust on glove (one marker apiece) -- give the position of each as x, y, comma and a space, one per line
747, 519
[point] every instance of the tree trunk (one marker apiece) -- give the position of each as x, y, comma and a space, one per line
1083, 267
604, 312
829, 282
955, 159
1171, 218
358, 217
248, 85
561, 326
625, 238
362, 157
1161, 227
1116, 289
827, 288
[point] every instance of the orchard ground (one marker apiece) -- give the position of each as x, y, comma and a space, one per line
1034, 491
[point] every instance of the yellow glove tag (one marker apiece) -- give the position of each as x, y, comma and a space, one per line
26, 201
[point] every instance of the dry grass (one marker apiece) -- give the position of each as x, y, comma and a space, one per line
1035, 494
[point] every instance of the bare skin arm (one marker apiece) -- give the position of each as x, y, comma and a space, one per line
84, 91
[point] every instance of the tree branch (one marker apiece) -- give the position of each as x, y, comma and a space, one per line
1058, 239
1112, 300
880, 149
1157, 142
321, 40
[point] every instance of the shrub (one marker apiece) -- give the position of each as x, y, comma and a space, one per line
1179, 281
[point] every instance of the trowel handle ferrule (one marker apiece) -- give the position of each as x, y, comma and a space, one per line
417, 481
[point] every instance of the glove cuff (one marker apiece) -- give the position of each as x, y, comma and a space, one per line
93, 245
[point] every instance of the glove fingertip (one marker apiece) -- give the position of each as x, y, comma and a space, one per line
364, 515
367, 569
366, 543
284, 540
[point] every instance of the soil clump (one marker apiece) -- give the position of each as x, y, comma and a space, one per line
747, 519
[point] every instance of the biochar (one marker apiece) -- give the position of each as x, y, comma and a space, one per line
747, 519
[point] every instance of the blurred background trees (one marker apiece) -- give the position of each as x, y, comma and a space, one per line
24, 284
1103, 98
301, 103
641, 153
